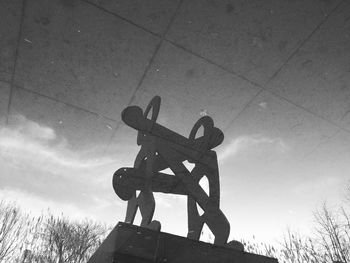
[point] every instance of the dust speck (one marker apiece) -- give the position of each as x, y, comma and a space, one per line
229, 8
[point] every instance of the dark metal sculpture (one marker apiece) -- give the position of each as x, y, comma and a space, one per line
162, 148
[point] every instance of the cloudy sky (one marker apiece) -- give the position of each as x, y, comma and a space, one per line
263, 181
274, 76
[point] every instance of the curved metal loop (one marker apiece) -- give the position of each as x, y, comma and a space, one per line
208, 124
153, 105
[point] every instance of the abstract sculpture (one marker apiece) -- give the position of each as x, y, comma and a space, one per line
162, 148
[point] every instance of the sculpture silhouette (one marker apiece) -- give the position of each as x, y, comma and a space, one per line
162, 148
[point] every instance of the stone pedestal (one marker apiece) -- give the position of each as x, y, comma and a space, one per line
132, 244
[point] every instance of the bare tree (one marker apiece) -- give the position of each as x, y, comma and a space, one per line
333, 234
347, 194
46, 239
297, 248
11, 226
62, 240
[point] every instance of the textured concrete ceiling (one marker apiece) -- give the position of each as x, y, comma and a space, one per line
265, 69
91, 59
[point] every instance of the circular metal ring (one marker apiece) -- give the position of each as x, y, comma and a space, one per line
207, 123
153, 105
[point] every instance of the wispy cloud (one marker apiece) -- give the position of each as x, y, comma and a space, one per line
36, 206
322, 184
242, 143
38, 167
29, 143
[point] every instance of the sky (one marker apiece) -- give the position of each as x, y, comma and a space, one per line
273, 75
262, 191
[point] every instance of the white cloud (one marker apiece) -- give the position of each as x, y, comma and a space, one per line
36, 206
244, 142
39, 170
162, 200
29, 144
322, 185
33, 129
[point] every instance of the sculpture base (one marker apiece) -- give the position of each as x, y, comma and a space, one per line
133, 244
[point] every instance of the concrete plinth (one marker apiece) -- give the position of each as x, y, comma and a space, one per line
132, 244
